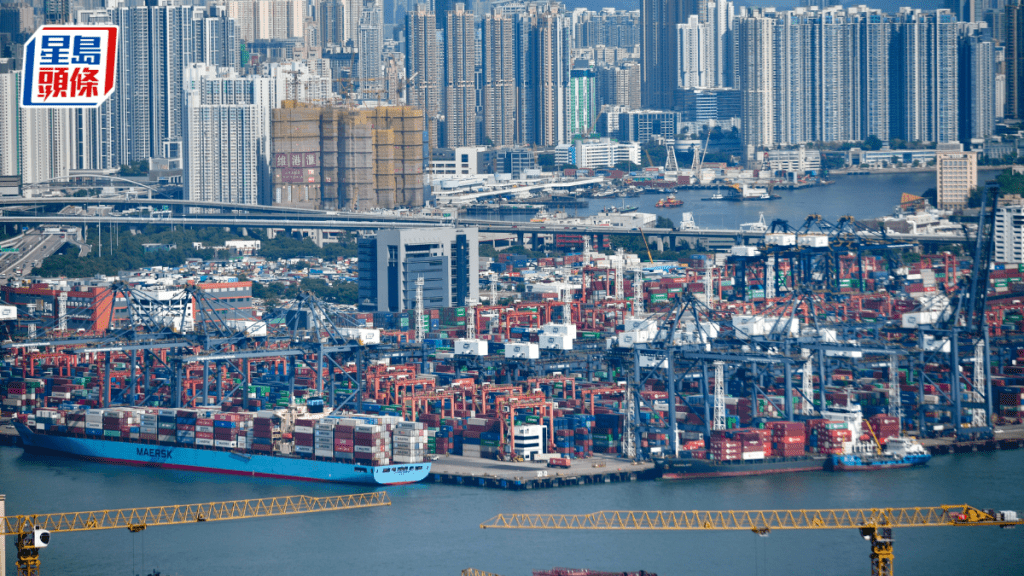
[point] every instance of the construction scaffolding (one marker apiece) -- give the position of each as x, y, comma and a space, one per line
296, 161
329, 158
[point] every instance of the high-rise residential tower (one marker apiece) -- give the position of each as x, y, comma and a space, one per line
1013, 46
499, 89
582, 100
226, 136
692, 64
659, 48
755, 71
977, 91
424, 69
371, 49
460, 78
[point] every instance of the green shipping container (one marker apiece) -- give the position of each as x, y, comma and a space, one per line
659, 298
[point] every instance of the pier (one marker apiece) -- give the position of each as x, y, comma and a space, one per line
475, 472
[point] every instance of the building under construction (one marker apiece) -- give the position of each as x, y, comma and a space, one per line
328, 158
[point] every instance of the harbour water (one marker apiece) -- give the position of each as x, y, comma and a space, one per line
869, 196
434, 529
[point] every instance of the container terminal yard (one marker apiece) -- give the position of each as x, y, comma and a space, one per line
822, 345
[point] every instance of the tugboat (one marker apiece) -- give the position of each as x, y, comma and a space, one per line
670, 202
898, 452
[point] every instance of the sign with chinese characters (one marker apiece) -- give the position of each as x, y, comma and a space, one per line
291, 175
297, 159
70, 66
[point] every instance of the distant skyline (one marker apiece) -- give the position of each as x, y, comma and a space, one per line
884, 5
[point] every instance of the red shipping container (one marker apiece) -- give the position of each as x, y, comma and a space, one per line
800, 440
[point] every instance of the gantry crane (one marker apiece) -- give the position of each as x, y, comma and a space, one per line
33, 531
874, 524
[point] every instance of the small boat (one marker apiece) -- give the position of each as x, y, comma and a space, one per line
670, 202
899, 452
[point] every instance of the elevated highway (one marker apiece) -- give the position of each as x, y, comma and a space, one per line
526, 232
127, 201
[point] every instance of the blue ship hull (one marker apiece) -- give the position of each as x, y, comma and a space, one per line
221, 461
874, 462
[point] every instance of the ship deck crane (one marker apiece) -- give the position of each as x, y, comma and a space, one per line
874, 524
33, 530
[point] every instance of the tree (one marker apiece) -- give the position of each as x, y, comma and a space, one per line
872, 143
140, 168
652, 154
663, 222
487, 250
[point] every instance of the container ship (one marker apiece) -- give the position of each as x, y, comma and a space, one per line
778, 448
839, 440
683, 468
350, 448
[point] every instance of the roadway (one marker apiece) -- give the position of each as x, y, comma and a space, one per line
370, 221
31, 249
108, 201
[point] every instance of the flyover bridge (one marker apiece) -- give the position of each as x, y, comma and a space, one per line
525, 232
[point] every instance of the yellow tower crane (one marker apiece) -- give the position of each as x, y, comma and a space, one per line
875, 524
33, 531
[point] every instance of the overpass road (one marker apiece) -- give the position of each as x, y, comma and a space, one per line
24, 252
525, 231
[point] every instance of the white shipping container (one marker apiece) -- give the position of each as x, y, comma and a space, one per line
304, 429
204, 442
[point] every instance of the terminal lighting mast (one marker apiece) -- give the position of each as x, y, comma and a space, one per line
638, 292
769, 276
62, 311
629, 437
421, 334
895, 407
709, 290
978, 383
567, 304
719, 414
807, 381
31, 324
620, 265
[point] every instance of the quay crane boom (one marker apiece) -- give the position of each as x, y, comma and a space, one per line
875, 524
33, 530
